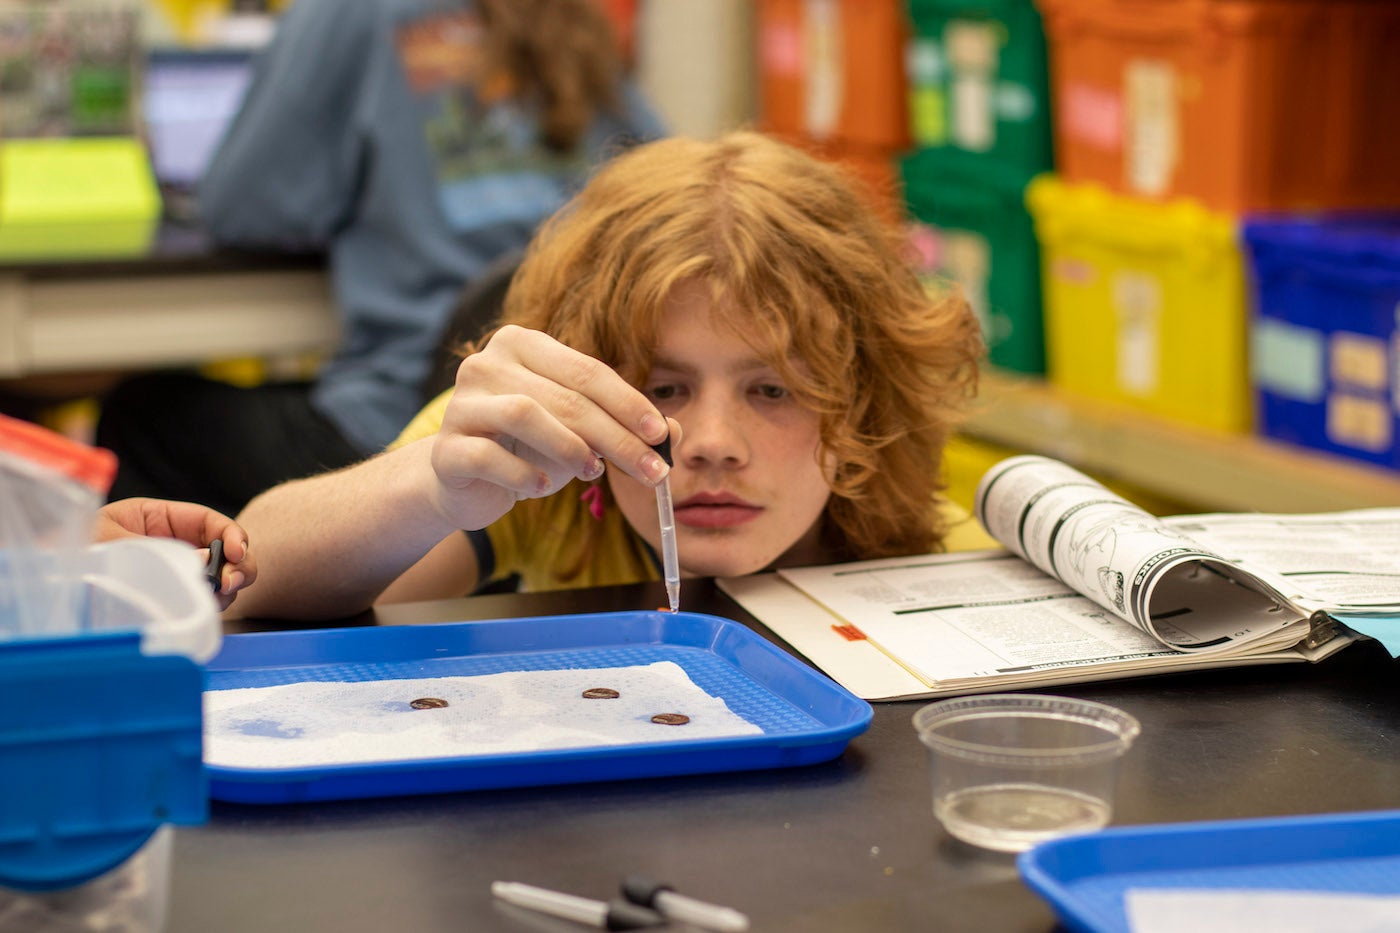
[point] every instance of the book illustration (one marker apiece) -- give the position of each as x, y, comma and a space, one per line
1093, 546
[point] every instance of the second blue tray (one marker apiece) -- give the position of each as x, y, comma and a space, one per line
805, 717
1086, 877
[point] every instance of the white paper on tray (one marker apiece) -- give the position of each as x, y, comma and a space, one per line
332, 723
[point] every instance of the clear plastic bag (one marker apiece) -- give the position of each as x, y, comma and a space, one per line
50, 491
56, 586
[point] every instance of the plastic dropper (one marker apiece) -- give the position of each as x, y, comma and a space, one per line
670, 563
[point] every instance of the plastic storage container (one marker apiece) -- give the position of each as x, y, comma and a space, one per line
833, 70
1243, 104
978, 81
1144, 303
101, 735
1325, 361
92, 197
969, 223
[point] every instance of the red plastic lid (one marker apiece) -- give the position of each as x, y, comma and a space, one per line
94, 467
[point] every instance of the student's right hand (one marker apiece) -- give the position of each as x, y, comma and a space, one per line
527, 416
184, 521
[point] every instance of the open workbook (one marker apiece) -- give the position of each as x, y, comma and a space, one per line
1090, 587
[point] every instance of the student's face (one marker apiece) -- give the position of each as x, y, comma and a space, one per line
746, 484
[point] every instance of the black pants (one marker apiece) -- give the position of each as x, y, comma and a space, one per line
180, 436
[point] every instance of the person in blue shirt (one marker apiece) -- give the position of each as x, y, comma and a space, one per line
414, 141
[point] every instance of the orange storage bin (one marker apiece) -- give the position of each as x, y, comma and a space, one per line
875, 173
834, 70
1243, 105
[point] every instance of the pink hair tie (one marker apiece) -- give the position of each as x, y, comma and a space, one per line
593, 497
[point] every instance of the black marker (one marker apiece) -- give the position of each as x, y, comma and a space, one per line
214, 570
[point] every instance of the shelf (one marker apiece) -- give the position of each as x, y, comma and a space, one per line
1212, 470
98, 318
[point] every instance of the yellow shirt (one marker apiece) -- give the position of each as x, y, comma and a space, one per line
538, 541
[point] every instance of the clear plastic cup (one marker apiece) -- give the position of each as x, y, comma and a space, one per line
131, 898
1011, 770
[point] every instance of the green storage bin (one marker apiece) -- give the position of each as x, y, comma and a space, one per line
969, 223
978, 80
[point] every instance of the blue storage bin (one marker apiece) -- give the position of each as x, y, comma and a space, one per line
99, 747
1324, 360
101, 729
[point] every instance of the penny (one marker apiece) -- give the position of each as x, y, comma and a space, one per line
670, 719
600, 693
428, 703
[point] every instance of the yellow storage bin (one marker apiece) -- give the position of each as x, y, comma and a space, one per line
1144, 303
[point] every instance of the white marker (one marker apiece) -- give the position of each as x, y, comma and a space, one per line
616, 915
682, 909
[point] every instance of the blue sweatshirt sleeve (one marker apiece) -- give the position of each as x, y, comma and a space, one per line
287, 171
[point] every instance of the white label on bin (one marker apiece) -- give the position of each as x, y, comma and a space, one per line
1153, 137
1015, 102
1073, 271
1137, 303
926, 246
825, 77
781, 48
928, 105
1358, 361
973, 56
967, 259
1358, 421
1395, 363
923, 61
1287, 360
1094, 116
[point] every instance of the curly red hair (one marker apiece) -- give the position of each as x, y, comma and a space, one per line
798, 263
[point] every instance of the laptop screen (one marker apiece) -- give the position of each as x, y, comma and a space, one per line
189, 97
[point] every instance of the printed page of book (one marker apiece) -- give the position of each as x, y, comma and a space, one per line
840, 650
1340, 562
970, 616
874, 671
1129, 561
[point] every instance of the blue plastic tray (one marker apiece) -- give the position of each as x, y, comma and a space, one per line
805, 717
1086, 877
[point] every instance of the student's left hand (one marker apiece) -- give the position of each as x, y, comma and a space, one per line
188, 522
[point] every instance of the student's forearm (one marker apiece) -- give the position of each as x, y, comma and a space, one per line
328, 545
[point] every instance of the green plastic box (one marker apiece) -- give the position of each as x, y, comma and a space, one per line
978, 81
969, 223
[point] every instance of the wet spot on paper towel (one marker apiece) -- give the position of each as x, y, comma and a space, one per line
320, 723
267, 728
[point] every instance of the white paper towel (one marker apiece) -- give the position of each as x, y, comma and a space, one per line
324, 723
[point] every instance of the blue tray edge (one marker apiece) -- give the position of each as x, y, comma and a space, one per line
842, 715
1053, 868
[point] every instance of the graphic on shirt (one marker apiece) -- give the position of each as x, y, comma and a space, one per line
441, 51
491, 169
